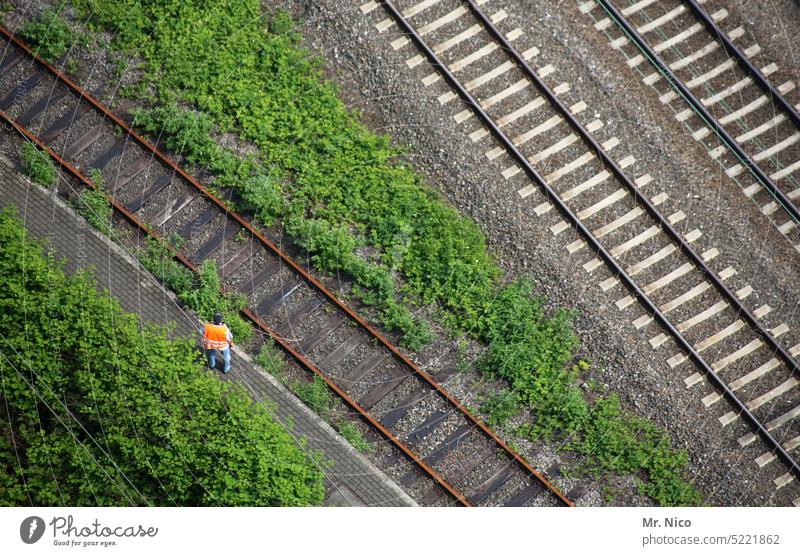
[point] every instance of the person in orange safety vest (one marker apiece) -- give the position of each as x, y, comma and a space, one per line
217, 337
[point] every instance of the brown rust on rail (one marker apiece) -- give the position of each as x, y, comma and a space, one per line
290, 262
305, 363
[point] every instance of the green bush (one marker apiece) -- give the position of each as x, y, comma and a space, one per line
414, 333
500, 407
167, 270
146, 424
614, 440
37, 165
354, 436
270, 359
95, 208
48, 35
96, 177
188, 133
201, 293
205, 299
347, 199
314, 393
263, 197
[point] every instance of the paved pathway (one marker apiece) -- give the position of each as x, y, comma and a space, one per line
350, 481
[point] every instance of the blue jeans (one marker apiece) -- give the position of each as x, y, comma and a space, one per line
226, 357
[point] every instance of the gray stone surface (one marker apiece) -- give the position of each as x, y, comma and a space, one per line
374, 78
351, 480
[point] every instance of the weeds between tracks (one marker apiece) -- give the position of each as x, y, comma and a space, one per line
338, 191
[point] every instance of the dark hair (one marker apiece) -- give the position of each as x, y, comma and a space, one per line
217, 318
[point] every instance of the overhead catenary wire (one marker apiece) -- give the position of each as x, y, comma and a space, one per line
587, 235
76, 420
361, 322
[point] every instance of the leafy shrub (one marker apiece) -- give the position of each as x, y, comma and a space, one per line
37, 165
333, 246
263, 197
201, 293
187, 133
314, 393
622, 443
48, 35
205, 299
500, 407
169, 272
415, 333
96, 177
95, 208
530, 352
521, 337
269, 358
146, 424
354, 436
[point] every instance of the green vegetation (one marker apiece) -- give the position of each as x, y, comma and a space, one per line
500, 407
37, 165
201, 292
314, 393
48, 34
270, 359
157, 260
95, 208
531, 353
96, 177
608, 438
343, 194
205, 298
319, 398
616, 441
101, 412
354, 436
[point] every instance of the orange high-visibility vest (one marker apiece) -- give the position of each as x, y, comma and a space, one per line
215, 336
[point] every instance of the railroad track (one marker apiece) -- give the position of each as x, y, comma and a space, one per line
479, 68
467, 462
738, 107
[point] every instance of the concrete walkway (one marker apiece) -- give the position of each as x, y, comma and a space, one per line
351, 480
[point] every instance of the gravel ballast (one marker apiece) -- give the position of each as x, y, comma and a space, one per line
371, 74
375, 79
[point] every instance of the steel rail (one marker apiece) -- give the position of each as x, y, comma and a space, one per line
75, 89
744, 61
709, 120
665, 225
246, 312
595, 244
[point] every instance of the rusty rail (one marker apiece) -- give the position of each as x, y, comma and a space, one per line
305, 363
405, 361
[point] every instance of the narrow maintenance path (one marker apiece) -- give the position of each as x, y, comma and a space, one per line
351, 480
